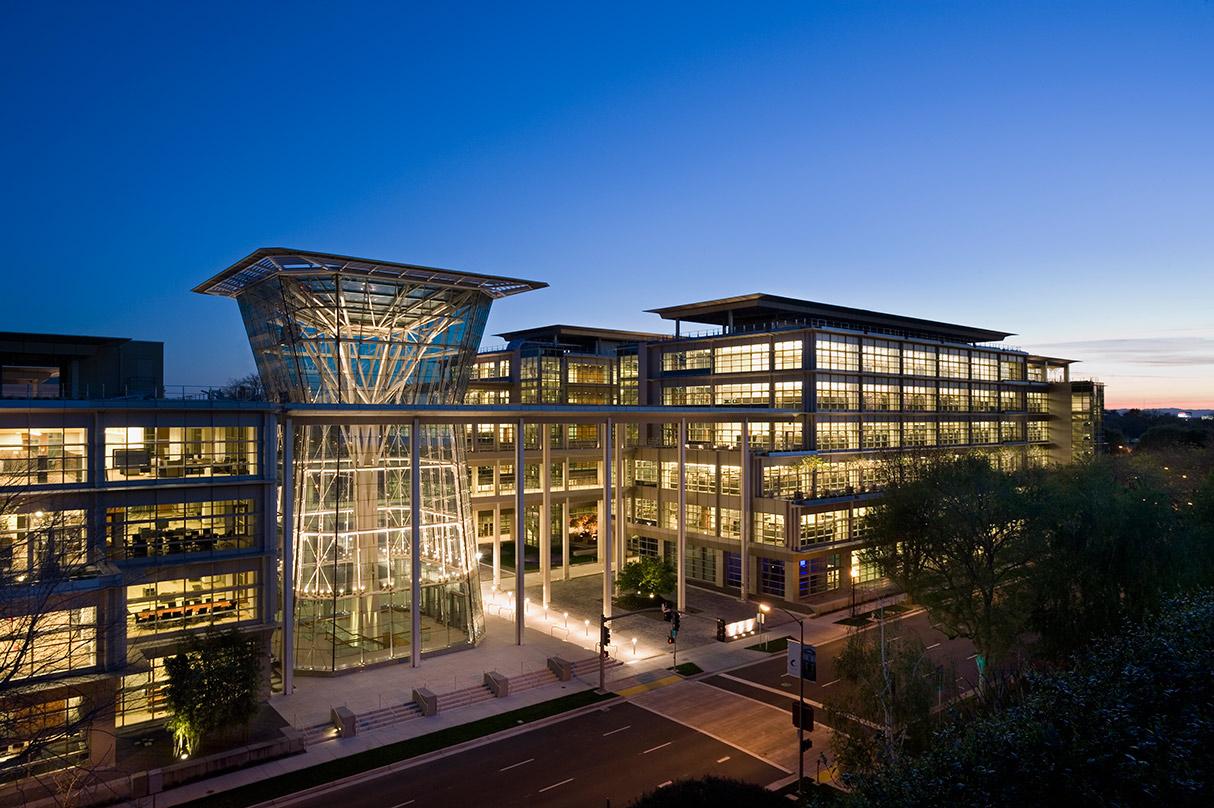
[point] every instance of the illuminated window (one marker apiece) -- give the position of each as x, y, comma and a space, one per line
823, 528
838, 393
1036, 372
881, 396
984, 432
838, 435
43, 456
954, 363
756, 394
919, 433
1011, 367
1039, 431
43, 545
731, 523
175, 604
1038, 402
954, 399
48, 642
1010, 431
741, 358
787, 355
694, 396
788, 395
881, 434
153, 531
953, 433
919, 397
837, 353
769, 528
881, 356
918, 360
673, 361
984, 367
984, 398
646, 472
645, 511
1011, 400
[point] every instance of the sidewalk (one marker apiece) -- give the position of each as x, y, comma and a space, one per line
373, 689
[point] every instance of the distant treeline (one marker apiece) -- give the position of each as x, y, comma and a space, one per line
1152, 430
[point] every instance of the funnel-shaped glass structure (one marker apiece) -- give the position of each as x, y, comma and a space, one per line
339, 330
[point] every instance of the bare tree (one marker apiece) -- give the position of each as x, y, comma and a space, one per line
49, 628
242, 388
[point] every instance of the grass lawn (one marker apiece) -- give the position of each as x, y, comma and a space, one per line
770, 646
391, 753
686, 669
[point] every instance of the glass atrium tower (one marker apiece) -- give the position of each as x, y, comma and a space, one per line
336, 330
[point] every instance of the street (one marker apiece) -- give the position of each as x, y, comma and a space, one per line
767, 681
609, 756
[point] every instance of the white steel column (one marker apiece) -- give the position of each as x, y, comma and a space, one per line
744, 484
605, 525
415, 543
497, 545
681, 561
620, 526
520, 524
546, 513
288, 556
564, 536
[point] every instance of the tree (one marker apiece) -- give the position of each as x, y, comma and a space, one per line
49, 627
883, 701
647, 576
242, 388
213, 685
1115, 544
951, 533
1129, 722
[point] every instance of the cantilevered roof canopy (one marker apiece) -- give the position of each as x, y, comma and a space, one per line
743, 310
561, 332
267, 261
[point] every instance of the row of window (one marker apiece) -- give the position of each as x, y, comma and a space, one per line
846, 393
852, 435
839, 352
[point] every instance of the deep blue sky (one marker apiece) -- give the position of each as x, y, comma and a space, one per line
1044, 168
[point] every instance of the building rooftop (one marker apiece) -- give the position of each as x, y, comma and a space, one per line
266, 262
562, 334
744, 312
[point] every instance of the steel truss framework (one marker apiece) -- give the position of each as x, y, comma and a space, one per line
331, 330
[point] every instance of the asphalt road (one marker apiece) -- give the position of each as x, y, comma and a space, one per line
761, 678
605, 757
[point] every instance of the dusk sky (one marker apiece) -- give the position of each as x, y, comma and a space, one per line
1043, 168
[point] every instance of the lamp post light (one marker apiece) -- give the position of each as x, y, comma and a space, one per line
766, 608
855, 578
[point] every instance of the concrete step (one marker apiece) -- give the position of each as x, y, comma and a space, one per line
319, 733
584, 667
388, 716
529, 680
463, 698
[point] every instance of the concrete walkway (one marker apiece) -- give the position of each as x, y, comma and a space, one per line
549, 634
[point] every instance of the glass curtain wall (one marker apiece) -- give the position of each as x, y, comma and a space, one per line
352, 338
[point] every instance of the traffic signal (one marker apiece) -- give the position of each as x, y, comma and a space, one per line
674, 627
805, 715
604, 636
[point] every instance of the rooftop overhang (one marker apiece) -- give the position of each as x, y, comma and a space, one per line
267, 262
550, 333
763, 308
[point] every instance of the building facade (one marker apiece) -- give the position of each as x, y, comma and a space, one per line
852, 387
125, 529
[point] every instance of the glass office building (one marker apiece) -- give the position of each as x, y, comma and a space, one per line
329, 329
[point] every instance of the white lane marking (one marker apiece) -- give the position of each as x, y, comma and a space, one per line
515, 765
554, 785
663, 785
933, 645
722, 760
403, 804
656, 748
971, 656
832, 682
614, 731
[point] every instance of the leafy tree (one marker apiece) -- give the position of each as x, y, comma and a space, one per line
214, 684
1163, 437
883, 701
1115, 545
951, 533
647, 576
1131, 722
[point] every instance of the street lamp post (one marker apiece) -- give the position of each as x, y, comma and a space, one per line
801, 705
